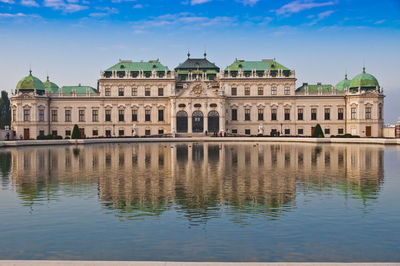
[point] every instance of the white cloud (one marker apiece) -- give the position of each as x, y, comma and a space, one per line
249, 2
380, 21
321, 16
197, 2
69, 7
7, 1
138, 6
8, 15
29, 3
106, 11
300, 5
120, 1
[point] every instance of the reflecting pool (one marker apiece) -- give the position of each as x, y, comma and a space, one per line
201, 202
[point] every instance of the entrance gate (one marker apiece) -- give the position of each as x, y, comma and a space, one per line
213, 122
197, 122
181, 122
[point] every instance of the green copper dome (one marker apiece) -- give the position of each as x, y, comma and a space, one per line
344, 84
50, 86
30, 83
364, 81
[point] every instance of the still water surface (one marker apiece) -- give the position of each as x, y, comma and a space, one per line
201, 202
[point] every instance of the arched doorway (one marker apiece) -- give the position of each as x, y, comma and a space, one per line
181, 122
213, 121
197, 122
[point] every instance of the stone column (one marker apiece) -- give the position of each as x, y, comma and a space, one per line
190, 111
173, 116
222, 117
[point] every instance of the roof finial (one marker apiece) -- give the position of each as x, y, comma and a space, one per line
363, 69
30, 70
345, 74
205, 54
48, 78
188, 54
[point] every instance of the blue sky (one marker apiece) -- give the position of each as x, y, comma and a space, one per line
72, 40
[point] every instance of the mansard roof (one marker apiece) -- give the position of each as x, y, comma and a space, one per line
313, 88
262, 65
74, 89
124, 65
197, 63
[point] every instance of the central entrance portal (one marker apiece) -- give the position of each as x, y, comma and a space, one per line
213, 122
197, 122
182, 122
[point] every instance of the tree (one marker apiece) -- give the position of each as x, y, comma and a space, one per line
318, 132
5, 110
76, 133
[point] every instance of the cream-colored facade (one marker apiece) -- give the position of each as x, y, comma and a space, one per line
247, 98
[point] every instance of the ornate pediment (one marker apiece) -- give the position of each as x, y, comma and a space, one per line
198, 89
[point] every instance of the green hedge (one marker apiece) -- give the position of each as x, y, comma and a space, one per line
48, 137
345, 136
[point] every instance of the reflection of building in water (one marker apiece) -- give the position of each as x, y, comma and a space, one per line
197, 178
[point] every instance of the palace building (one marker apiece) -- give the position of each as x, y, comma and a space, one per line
198, 98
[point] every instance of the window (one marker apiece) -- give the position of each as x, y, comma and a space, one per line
273, 91
299, 114
247, 131
247, 91
54, 132
287, 131
81, 115
313, 114
260, 114
340, 114
147, 115
67, 115
380, 112
108, 92
340, 131
121, 92
234, 131
121, 132
41, 132
41, 115
160, 115
160, 91
234, 114
353, 113
121, 116
160, 131
147, 92
134, 91
95, 115
273, 114
67, 132
14, 114
234, 91
108, 115
147, 132
247, 114
54, 115
327, 131
134, 115
287, 114
260, 91
287, 91
327, 114
108, 133
27, 115
368, 113
300, 131
95, 132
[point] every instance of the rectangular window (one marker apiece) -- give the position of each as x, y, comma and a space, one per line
287, 131
380, 112
147, 92
81, 115
327, 114
353, 113
160, 91
160, 131
108, 133
260, 91
287, 114
234, 91
121, 115
234, 131
368, 113
340, 131
41, 132
234, 114
273, 91
67, 132
41, 115
313, 114
95, 132
247, 91
108, 115
160, 115
54, 115
260, 114
327, 131
121, 132
287, 91
108, 92
247, 114
147, 132
95, 115
340, 114
247, 131
134, 91
54, 132
147, 115
300, 131
27, 115
134, 115
67, 115
299, 114
273, 114
121, 92
14, 114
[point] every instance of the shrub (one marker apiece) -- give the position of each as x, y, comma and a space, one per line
67, 138
318, 132
76, 133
